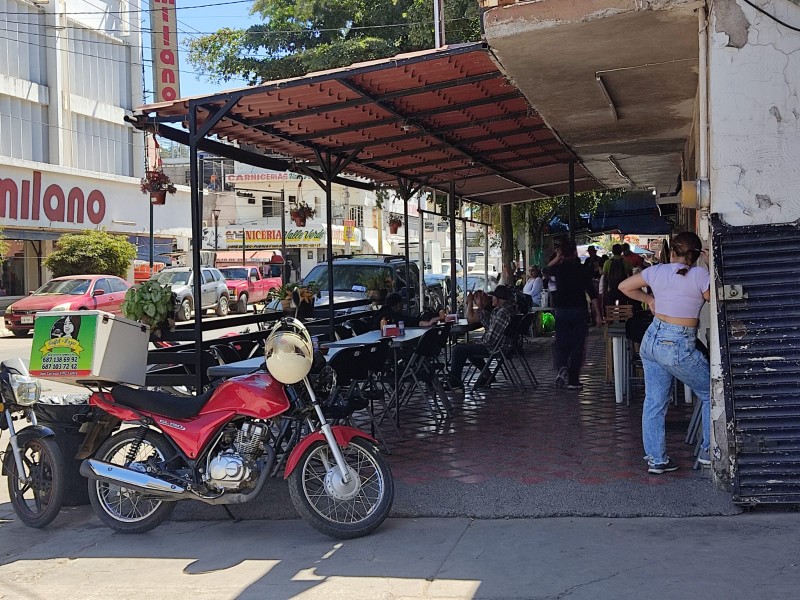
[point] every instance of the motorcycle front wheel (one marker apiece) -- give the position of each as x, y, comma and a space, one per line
123, 509
37, 500
342, 510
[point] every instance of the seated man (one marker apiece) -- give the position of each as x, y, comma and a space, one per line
495, 323
392, 311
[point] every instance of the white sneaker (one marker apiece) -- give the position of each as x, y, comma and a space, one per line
562, 377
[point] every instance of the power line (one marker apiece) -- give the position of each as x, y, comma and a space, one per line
310, 31
136, 11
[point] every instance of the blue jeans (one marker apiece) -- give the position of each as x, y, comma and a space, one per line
669, 351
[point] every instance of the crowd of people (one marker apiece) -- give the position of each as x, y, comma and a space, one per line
673, 293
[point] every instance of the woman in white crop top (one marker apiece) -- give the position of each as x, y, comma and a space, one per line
668, 348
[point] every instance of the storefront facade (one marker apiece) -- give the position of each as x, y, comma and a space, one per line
39, 203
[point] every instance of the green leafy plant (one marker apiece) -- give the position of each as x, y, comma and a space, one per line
152, 304
283, 292
91, 252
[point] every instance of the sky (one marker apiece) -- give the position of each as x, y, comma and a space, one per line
192, 22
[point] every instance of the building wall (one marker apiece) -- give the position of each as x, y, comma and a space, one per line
754, 138
754, 68
70, 70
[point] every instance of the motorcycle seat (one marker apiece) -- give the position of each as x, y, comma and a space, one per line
160, 403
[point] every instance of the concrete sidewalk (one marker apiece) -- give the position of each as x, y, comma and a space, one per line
748, 556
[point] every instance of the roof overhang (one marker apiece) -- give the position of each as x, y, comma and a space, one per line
616, 79
437, 117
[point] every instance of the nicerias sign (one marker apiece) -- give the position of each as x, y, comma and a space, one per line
305, 237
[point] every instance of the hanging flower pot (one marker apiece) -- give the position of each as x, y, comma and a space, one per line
395, 222
300, 221
300, 213
159, 197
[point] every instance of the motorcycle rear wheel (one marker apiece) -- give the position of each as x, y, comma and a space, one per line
36, 503
127, 510
342, 512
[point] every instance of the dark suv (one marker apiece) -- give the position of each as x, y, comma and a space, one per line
351, 275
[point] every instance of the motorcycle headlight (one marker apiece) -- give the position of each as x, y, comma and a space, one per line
26, 389
64, 306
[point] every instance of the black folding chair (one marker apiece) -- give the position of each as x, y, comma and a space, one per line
359, 326
499, 359
421, 375
225, 353
343, 333
352, 367
524, 324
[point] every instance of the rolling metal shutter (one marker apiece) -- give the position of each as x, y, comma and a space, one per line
758, 288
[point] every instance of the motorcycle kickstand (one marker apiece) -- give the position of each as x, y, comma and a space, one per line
230, 514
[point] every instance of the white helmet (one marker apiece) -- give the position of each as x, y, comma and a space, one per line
289, 351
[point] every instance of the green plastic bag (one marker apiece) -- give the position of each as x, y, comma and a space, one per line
548, 322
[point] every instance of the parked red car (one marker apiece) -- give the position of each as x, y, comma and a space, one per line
74, 292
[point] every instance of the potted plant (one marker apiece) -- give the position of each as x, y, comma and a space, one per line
301, 304
157, 184
284, 294
152, 304
300, 213
378, 287
395, 222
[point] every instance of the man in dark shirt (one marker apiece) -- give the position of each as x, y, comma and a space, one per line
574, 284
392, 311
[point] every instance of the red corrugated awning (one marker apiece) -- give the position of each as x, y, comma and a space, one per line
435, 116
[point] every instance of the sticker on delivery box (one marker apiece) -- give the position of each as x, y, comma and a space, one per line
63, 346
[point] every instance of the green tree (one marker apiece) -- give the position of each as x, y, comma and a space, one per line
301, 36
91, 252
3, 245
541, 212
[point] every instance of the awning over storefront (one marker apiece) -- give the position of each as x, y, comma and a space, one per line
232, 257
161, 247
29, 234
635, 212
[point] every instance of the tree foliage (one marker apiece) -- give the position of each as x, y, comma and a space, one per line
91, 252
301, 36
3, 245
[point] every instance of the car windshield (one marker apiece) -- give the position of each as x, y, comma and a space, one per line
346, 276
234, 273
173, 277
72, 287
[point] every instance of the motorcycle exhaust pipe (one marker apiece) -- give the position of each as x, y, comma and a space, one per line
128, 478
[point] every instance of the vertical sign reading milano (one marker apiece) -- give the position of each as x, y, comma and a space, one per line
164, 40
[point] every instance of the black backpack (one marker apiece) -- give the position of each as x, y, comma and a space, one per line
523, 301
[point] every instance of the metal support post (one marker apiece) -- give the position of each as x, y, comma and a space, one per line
573, 220
451, 207
284, 273
197, 235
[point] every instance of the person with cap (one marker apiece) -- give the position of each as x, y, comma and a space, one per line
495, 323
633, 259
571, 312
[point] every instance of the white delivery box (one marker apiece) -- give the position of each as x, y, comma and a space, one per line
89, 345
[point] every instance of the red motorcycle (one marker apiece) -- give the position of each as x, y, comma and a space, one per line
222, 446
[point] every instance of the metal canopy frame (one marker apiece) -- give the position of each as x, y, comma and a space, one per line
427, 119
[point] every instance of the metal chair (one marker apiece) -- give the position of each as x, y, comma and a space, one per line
499, 360
359, 326
342, 332
352, 367
421, 375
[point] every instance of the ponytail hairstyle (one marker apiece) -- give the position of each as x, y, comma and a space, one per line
687, 246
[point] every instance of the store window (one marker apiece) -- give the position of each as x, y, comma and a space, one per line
270, 206
356, 214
